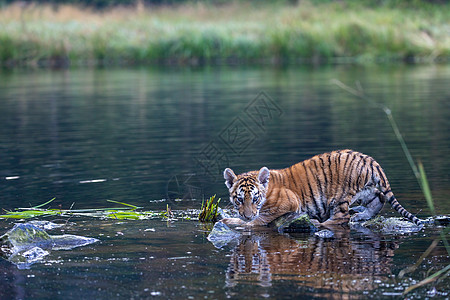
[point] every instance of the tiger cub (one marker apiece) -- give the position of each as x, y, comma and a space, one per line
324, 187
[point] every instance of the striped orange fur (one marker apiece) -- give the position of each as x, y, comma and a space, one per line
324, 186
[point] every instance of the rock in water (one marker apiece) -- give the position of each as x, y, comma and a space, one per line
221, 235
26, 244
325, 234
46, 225
23, 237
69, 241
391, 225
442, 220
293, 222
24, 259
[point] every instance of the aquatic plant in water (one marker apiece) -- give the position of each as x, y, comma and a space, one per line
128, 212
209, 210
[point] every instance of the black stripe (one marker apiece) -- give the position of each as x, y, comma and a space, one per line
349, 174
342, 209
309, 185
304, 203
338, 163
367, 175
323, 171
346, 177
319, 182
341, 202
281, 179
326, 209
392, 198
381, 174
345, 172
357, 170
292, 176
329, 167
358, 182
313, 198
345, 163
303, 196
287, 195
371, 168
325, 180
311, 209
370, 201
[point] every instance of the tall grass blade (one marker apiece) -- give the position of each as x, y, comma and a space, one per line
419, 173
426, 188
419, 261
402, 143
427, 280
43, 204
126, 204
444, 239
360, 93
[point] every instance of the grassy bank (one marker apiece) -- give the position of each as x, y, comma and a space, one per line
244, 33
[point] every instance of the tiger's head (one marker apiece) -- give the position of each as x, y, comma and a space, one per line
247, 191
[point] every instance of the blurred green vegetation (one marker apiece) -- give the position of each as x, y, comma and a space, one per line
236, 32
110, 3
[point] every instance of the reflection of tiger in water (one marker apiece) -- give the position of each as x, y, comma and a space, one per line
324, 187
343, 265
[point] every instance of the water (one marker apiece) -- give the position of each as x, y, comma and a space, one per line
151, 136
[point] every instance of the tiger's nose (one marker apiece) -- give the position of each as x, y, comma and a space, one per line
249, 216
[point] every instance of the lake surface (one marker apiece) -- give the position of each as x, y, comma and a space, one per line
154, 137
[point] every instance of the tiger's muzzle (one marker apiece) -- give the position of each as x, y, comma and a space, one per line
247, 217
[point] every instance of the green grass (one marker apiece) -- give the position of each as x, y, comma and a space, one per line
209, 210
236, 32
128, 212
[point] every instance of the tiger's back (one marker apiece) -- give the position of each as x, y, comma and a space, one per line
323, 186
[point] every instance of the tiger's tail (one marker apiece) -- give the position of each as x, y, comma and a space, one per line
400, 209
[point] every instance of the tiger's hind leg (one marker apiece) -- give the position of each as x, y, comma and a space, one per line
357, 209
372, 201
339, 214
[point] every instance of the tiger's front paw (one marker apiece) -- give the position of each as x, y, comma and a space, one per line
233, 221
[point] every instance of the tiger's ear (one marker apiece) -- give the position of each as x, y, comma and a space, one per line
263, 176
230, 177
